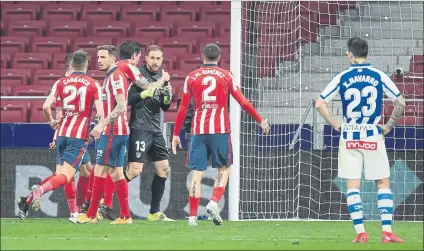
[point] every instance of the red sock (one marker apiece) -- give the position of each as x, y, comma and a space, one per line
71, 195
82, 187
96, 196
121, 187
194, 205
109, 189
54, 183
46, 179
217, 193
29, 197
90, 185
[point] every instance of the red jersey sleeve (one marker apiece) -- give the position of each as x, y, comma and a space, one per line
239, 97
182, 110
56, 93
118, 84
130, 71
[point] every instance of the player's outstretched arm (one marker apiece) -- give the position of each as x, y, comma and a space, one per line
321, 106
248, 107
397, 112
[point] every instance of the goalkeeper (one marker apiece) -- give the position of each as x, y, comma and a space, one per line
361, 88
146, 140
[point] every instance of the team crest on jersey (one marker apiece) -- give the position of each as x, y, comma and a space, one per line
117, 84
104, 97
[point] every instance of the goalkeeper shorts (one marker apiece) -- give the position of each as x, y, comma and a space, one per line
369, 154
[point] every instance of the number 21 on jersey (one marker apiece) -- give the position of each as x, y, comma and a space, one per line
74, 95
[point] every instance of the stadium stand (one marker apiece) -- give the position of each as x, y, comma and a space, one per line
37, 35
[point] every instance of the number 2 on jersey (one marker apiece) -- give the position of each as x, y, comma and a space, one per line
72, 92
356, 95
211, 82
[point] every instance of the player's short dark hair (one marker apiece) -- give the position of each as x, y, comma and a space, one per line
68, 60
154, 47
211, 52
358, 47
108, 47
127, 49
79, 60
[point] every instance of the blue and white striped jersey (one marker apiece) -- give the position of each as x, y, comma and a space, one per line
361, 89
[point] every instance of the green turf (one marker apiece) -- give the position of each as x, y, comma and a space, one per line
45, 234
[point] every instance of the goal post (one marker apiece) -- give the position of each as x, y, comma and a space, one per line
235, 111
283, 53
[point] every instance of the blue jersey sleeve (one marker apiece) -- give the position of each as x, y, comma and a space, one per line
332, 89
389, 87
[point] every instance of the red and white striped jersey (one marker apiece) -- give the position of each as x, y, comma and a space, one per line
210, 87
78, 93
130, 71
115, 83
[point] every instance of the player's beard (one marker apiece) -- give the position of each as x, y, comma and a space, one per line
154, 68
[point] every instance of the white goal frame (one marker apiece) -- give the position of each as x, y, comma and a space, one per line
235, 111
235, 115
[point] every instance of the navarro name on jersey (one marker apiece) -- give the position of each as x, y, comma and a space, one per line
361, 79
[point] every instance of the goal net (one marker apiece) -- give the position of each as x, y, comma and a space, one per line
290, 52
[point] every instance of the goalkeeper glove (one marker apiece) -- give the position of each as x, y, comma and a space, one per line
147, 93
166, 94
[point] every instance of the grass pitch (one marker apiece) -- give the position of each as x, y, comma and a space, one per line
59, 234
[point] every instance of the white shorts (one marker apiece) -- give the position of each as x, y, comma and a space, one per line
369, 153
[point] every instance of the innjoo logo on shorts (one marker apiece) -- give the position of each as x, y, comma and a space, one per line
358, 144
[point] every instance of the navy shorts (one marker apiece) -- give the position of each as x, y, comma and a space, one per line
111, 150
70, 150
217, 147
